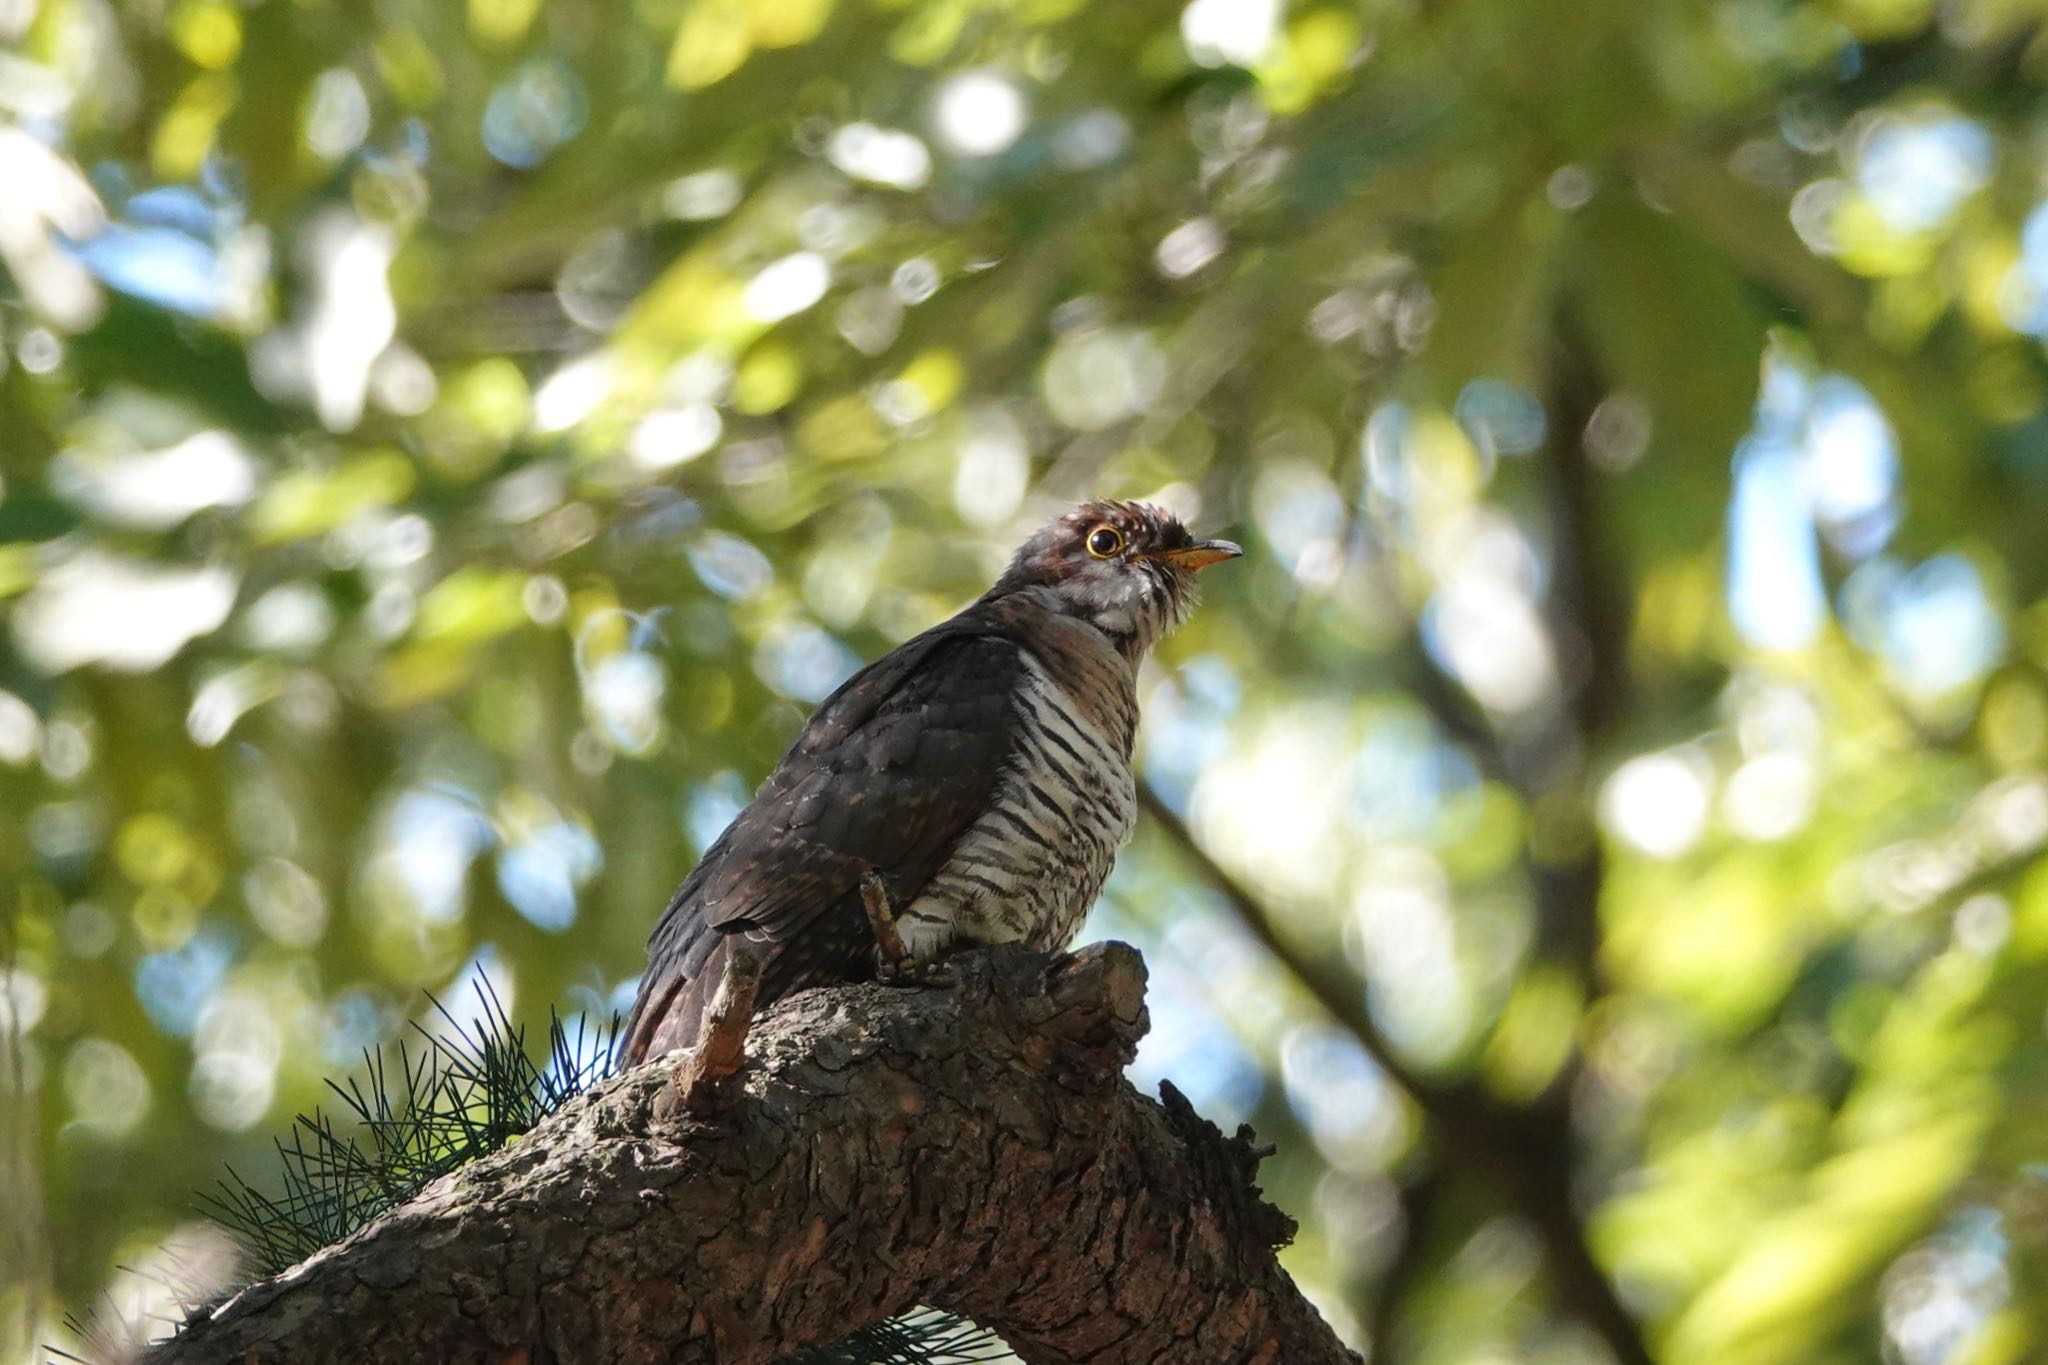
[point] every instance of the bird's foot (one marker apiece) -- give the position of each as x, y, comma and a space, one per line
894, 963
702, 1079
874, 898
911, 971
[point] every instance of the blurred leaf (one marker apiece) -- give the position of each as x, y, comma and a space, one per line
31, 513
1669, 322
308, 502
1494, 295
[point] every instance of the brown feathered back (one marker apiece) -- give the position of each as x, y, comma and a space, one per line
889, 772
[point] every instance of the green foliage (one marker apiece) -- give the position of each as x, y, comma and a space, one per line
479, 432
460, 1092
922, 1337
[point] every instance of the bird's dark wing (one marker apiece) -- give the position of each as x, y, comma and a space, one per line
889, 773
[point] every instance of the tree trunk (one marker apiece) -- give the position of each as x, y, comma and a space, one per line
972, 1147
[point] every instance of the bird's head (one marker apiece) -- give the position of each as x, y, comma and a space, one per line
1127, 568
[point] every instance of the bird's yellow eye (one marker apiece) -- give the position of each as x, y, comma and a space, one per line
1105, 541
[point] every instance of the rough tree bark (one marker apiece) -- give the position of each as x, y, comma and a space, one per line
974, 1147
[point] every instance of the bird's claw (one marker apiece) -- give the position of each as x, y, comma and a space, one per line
910, 971
702, 1078
894, 964
874, 898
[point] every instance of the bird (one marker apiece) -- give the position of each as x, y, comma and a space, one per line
977, 780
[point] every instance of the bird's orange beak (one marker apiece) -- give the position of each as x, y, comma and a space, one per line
1202, 555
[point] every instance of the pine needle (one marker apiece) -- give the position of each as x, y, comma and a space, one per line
452, 1096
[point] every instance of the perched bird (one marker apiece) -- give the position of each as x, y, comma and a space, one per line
978, 777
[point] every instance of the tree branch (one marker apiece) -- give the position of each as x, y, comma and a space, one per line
1525, 1149
974, 1148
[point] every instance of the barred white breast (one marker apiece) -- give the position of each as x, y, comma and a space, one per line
1031, 866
